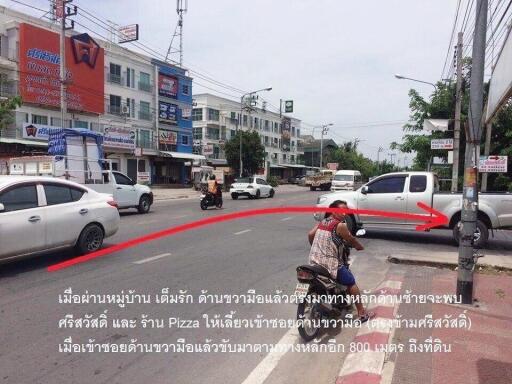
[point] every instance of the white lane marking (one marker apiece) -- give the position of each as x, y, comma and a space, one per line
244, 231
368, 362
287, 218
178, 217
153, 258
393, 284
265, 367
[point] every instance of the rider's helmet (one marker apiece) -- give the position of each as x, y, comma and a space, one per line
212, 177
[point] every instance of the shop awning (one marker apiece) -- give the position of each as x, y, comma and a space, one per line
295, 166
182, 155
24, 142
218, 161
276, 166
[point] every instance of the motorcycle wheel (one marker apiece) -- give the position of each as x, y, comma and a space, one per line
219, 204
204, 205
308, 311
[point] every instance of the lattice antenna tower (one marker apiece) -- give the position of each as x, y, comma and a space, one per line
181, 9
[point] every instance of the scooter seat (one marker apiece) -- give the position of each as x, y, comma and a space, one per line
316, 269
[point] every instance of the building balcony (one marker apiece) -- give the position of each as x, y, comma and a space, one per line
147, 143
114, 109
114, 78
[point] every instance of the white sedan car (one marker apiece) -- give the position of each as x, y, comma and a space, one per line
43, 214
252, 187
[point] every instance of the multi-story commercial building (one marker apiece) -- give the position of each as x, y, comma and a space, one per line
126, 96
216, 119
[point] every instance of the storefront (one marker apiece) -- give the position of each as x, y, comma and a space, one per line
175, 167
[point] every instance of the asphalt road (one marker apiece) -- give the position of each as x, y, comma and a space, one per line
258, 253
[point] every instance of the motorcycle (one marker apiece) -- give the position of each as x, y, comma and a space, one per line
209, 199
322, 298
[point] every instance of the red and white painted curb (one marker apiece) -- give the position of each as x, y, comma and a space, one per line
366, 367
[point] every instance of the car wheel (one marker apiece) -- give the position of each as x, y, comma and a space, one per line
144, 204
234, 196
90, 240
481, 234
258, 194
272, 193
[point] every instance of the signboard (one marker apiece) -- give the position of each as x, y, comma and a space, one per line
450, 157
167, 85
493, 164
288, 106
143, 177
138, 152
441, 144
167, 112
119, 137
286, 133
219, 175
186, 113
332, 166
16, 169
129, 33
208, 149
39, 68
167, 137
36, 131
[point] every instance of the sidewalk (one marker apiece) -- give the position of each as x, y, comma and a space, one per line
189, 193
477, 354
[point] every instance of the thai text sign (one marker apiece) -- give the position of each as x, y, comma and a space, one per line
441, 144
493, 164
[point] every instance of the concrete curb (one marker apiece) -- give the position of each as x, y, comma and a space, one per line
401, 259
366, 367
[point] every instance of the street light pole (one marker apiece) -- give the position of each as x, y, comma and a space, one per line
400, 77
325, 129
241, 117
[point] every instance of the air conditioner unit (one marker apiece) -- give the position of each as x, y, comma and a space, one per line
125, 110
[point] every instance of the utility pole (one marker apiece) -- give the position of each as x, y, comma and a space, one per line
325, 129
467, 226
378, 155
487, 150
456, 131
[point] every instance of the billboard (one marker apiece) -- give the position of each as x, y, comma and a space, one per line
441, 144
129, 33
40, 70
167, 137
119, 137
286, 134
167, 85
167, 112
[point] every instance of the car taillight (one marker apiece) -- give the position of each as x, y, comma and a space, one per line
304, 275
113, 203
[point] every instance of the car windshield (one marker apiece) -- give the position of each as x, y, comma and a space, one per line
244, 180
344, 178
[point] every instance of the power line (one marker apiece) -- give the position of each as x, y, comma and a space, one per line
451, 38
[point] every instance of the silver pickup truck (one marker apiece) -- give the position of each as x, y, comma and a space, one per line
400, 192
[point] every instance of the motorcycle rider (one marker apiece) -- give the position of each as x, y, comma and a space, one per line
214, 188
326, 239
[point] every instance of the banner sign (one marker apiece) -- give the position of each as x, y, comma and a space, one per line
286, 133
288, 106
39, 67
129, 33
441, 144
167, 85
208, 149
119, 137
167, 112
36, 131
168, 137
186, 113
493, 164
143, 177
332, 166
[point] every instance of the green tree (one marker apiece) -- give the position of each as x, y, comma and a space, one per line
253, 153
7, 108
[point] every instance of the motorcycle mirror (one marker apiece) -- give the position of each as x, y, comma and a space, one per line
361, 232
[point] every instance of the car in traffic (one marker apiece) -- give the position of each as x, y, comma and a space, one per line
45, 214
401, 191
252, 187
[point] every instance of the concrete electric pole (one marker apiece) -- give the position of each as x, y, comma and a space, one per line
325, 129
468, 223
456, 131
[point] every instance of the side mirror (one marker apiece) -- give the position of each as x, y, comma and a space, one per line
361, 232
364, 190
2, 208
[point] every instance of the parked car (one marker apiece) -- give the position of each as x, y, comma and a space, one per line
301, 180
44, 214
348, 180
401, 191
252, 187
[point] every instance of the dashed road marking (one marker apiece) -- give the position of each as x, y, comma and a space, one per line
244, 231
287, 218
153, 258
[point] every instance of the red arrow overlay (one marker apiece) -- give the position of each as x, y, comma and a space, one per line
435, 219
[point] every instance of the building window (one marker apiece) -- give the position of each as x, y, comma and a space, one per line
185, 89
144, 113
293, 131
197, 114
130, 77
245, 121
55, 122
212, 133
298, 132
130, 103
115, 105
115, 73
233, 133
40, 119
80, 124
213, 114
198, 133
233, 115
184, 140
145, 82
144, 139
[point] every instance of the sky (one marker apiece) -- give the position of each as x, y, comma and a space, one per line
335, 58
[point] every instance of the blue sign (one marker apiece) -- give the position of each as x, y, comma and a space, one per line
167, 112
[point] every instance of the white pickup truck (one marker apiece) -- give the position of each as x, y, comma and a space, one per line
400, 192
